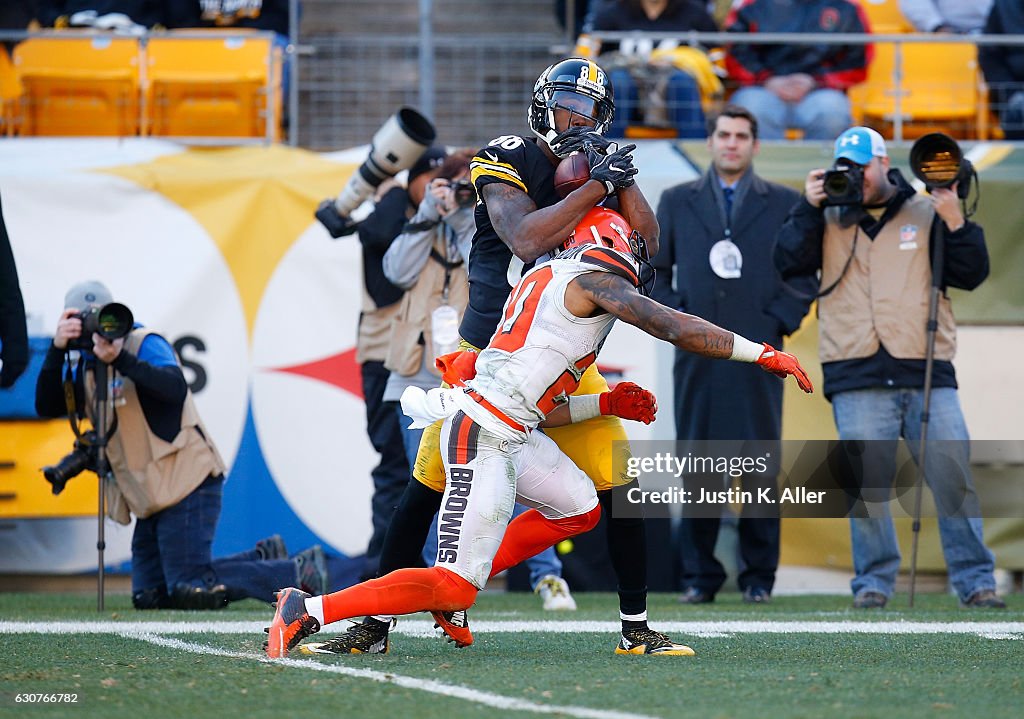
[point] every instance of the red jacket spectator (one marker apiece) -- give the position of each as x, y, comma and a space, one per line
833, 66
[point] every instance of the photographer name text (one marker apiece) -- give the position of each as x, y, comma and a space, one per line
763, 495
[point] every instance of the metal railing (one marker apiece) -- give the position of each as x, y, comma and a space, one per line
470, 65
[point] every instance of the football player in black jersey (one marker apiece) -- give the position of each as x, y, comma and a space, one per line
520, 219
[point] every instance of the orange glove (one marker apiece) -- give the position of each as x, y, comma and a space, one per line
630, 401
457, 367
782, 364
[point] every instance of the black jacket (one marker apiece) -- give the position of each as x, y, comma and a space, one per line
715, 399
13, 332
1003, 65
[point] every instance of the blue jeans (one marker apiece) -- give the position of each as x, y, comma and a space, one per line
682, 100
888, 414
174, 546
822, 114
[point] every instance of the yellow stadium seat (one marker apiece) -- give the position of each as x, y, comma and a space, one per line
10, 94
941, 89
212, 87
79, 85
885, 17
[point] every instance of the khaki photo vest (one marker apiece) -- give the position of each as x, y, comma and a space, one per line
882, 300
151, 474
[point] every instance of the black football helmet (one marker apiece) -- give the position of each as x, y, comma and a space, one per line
577, 85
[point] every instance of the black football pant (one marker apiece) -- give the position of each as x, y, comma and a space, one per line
759, 553
391, 475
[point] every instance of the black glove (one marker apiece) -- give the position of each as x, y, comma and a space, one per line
337, 225
572, 140
615, 171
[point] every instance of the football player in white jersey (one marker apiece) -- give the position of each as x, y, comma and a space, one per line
552, 328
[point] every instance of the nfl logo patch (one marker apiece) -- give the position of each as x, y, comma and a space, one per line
908, 237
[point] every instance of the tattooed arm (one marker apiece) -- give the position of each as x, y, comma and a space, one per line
594, 292
528, 231
603, 291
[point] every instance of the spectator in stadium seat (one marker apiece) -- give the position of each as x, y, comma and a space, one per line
641, 70
949, 16
1003, 67
796, 85
266, 15
872, 318
100, 13
716, 241
167, 472
584, 10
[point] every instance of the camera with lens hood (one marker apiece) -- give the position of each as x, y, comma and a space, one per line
112, 321
844, 183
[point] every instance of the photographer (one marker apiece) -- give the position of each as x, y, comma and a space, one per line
429, 260
872, 237
166, 471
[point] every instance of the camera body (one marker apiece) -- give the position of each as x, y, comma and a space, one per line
464, 193
111, 321
844, 183
81, 458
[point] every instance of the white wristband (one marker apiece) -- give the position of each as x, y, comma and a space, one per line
584, 407
743, 350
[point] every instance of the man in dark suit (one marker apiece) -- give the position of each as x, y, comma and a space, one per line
718, 232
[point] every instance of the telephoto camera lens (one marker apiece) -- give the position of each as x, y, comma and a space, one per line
112, 321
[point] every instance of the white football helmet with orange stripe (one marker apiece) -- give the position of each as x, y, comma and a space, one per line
606, 228
577, 85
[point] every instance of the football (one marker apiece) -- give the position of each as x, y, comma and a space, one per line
571, 173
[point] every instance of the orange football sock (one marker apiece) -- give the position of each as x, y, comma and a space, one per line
531, 532
403, 591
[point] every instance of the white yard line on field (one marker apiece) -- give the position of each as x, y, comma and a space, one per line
419, 627
455, 691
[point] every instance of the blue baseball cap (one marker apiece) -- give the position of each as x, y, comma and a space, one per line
859, 144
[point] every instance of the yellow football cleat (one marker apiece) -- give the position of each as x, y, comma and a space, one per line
648, 641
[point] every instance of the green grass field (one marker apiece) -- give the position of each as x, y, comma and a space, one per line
808, 656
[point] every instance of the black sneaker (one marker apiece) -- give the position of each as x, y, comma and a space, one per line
311, 570
368, 637
756, 595
645, 640
692, 595
870, 600
272, 547
984, 599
